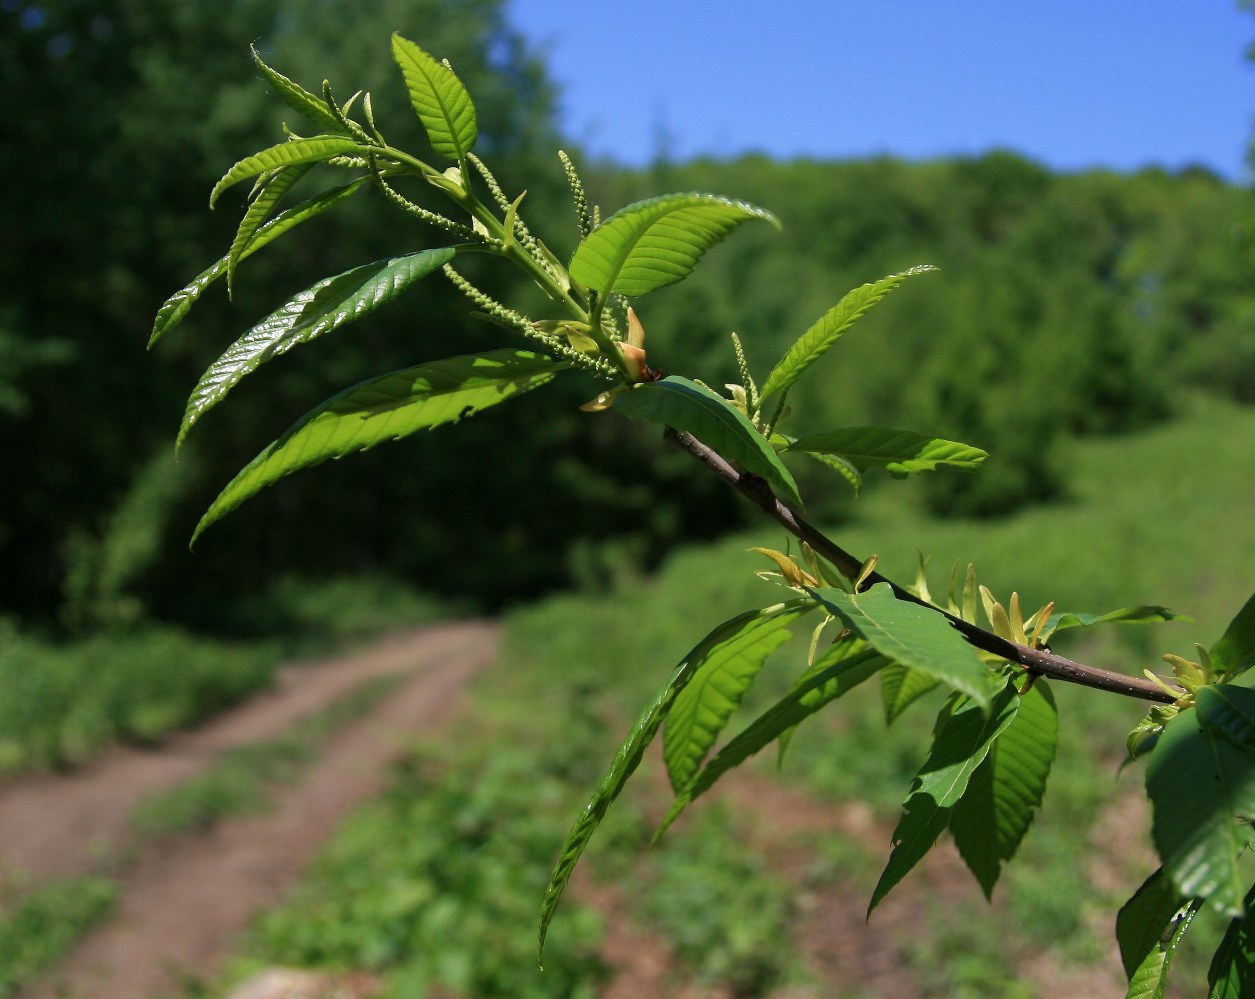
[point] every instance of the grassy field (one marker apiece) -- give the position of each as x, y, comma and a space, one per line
467, 834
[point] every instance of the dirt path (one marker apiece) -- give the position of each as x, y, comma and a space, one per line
183, 903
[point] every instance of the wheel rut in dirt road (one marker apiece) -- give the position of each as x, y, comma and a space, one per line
183, 903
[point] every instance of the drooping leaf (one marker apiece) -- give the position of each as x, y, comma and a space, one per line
1201, 786
995, 813
829, 328
1144, 614
913, 636
654, 243
628, 758
1232, 971
961, 744
298, 98
177, 305
290, 153
900, 452
439, 99
272, 192
1234, 652
1149, 978
843, 667
900, 687
331, 303
388, 407
677, 402
1143, 921
702, 709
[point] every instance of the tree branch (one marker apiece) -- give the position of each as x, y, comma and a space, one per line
1036, 661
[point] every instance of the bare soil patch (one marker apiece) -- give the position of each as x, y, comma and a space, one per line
183, 903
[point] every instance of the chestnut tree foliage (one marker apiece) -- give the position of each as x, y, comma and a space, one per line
994, 737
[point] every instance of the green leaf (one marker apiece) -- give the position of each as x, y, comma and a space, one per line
1149, 979
899, 452
703, 707
1142, 921
1234, 653
271, 193
829, 328
900, 687
961, 744
913, 636
1202, 791
843, 667
995, 813
439, 99
628, 758
290, 153
1232, 971
1144, 614
298, 98
654, 243
385, 408
677, 402
177, 305
331, 303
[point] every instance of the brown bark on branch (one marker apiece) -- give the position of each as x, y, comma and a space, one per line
1036, 661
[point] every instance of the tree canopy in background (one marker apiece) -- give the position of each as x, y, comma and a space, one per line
1086, 304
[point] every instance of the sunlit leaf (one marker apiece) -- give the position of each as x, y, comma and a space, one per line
1232, 971
1002, 798
900, 452
961, 744
913, 636
703, 707
331, 303
1202, 790
259, 209
315, 150
843, 667
1144, 614
628, 758
298, 98
386, 408
439, 99
177, 305
829, 328
1149, 979
1234, 653
654, 243
677, 402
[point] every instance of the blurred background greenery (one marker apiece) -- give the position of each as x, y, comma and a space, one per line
1094, 331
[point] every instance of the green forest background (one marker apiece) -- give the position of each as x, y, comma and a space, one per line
1066, 305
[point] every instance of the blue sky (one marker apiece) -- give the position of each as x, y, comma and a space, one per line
1071, 83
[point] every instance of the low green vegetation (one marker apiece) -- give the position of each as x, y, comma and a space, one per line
62, 702
431, 853
38, 926
240, 781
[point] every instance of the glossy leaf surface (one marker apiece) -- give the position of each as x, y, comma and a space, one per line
298, 98
913, 636
387, 408
177, 305
961, 744
994, 814
1143, 922
439, 99
1201, 785
829, 329
677, 402
703, 707
285, 154
259, 210
654, 243
900, 452
1232, 971
325, 306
